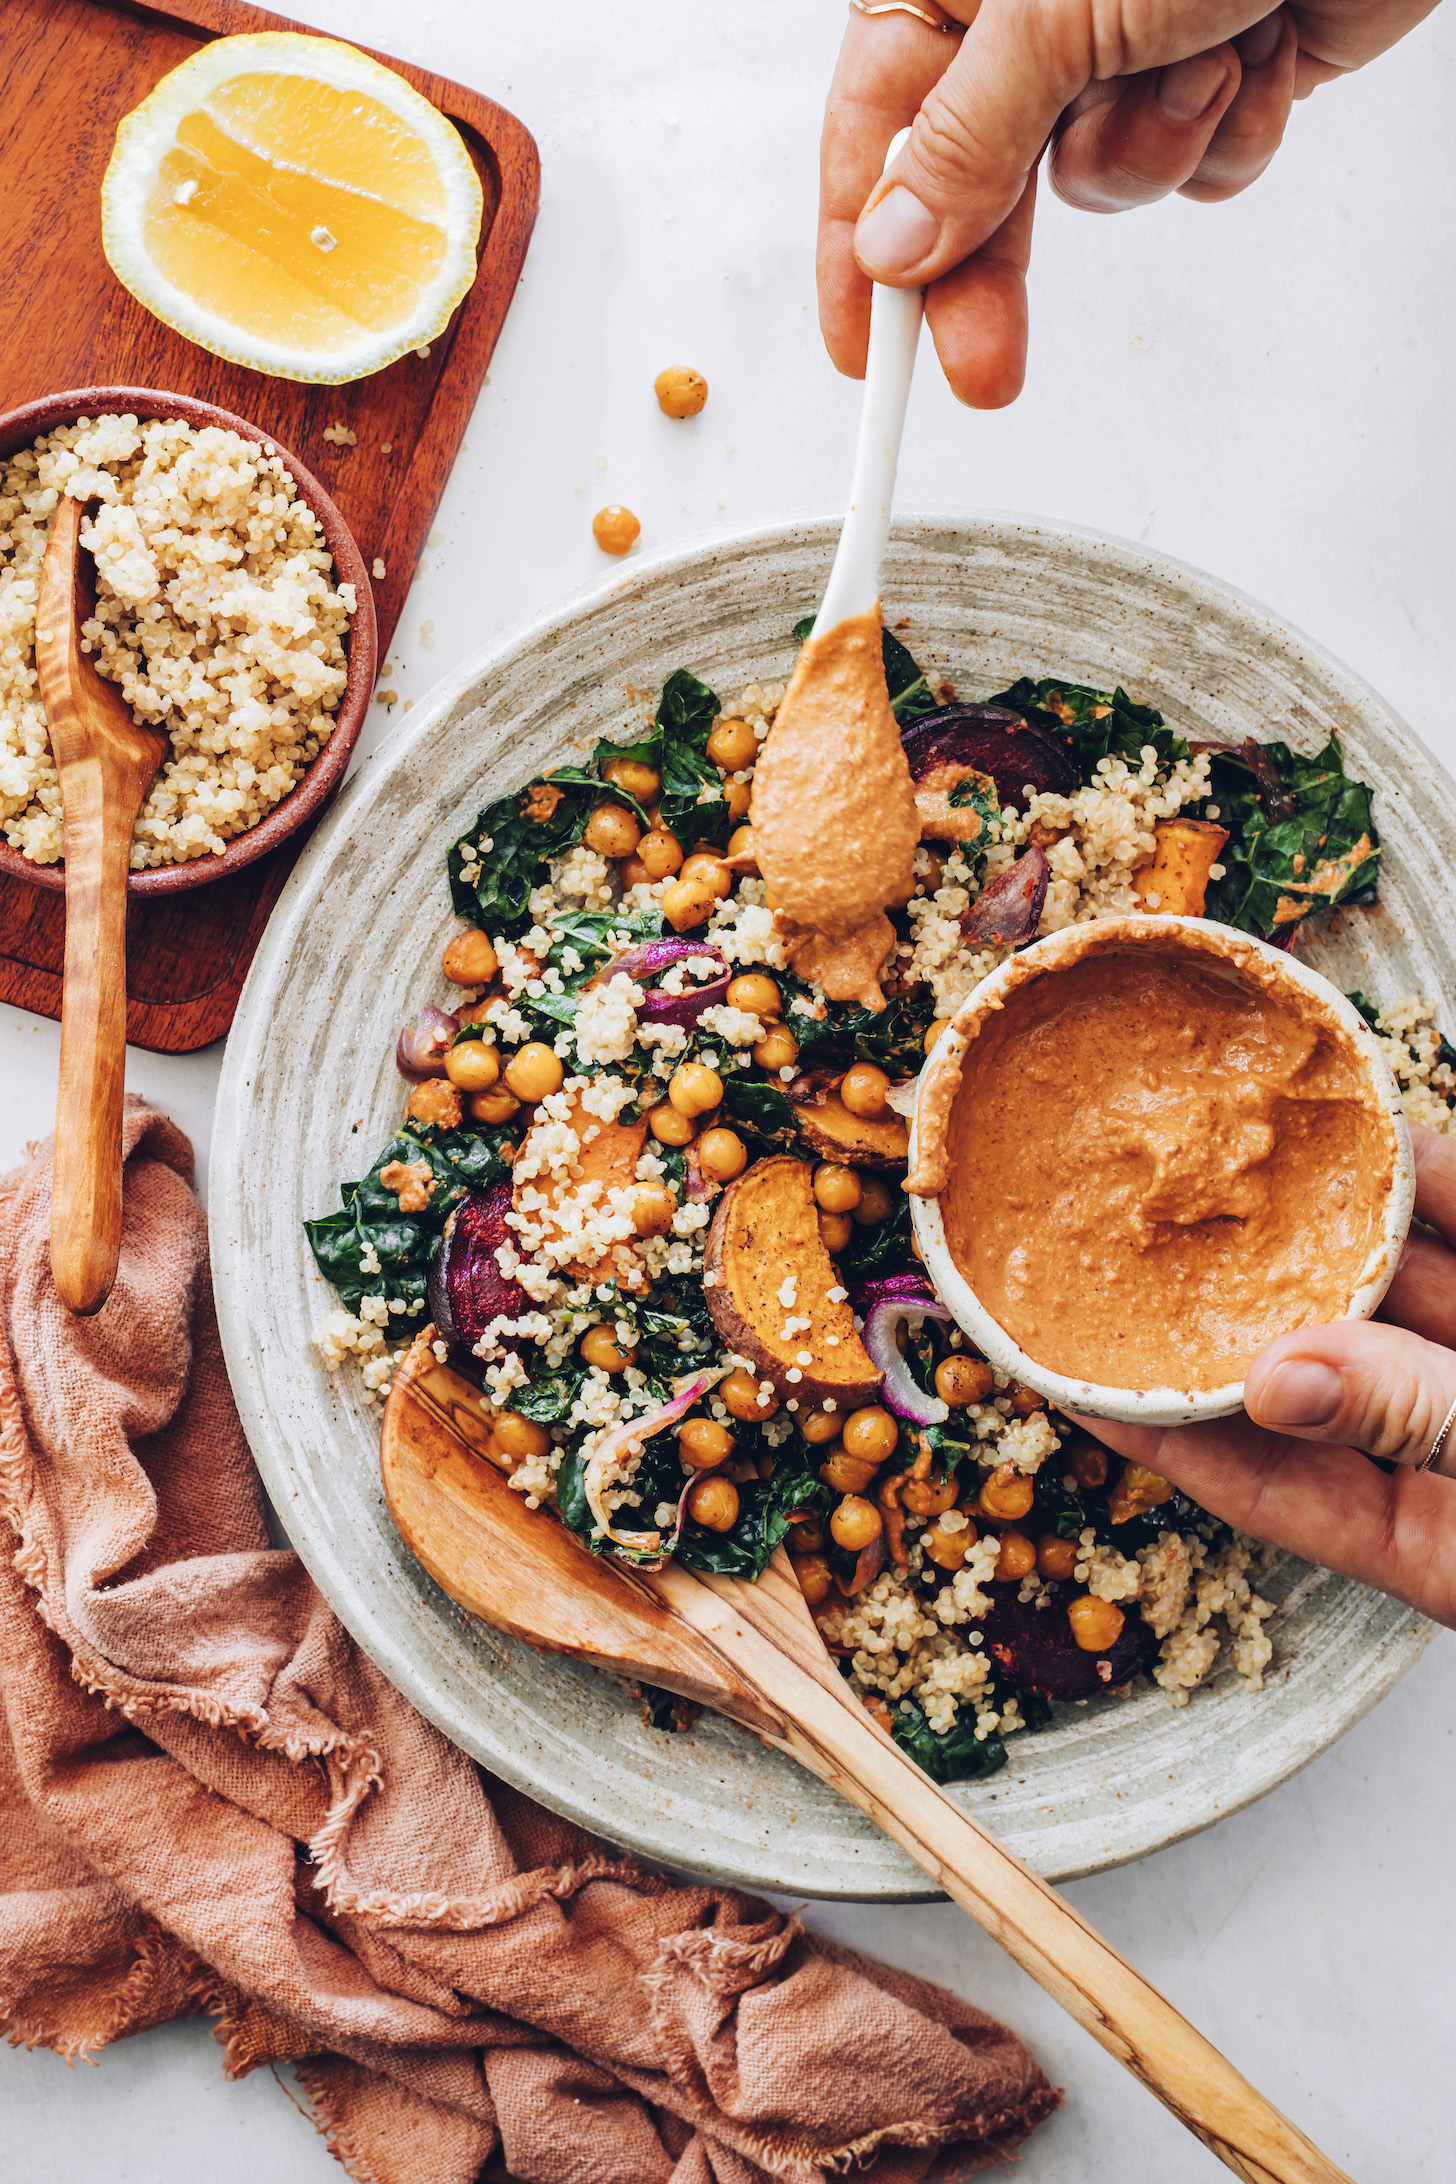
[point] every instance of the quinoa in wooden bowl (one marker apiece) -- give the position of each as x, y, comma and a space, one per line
233, 609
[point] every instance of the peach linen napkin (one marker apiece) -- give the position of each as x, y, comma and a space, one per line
210, 1800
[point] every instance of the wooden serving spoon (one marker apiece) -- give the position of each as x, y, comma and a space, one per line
106, 765
751, 1651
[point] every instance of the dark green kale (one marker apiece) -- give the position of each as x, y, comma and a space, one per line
1301, 837
1096, 724
678, 748
587, 931
892, 1037
371, 1227
910, 694
549, 1397
764, 1510
761, 1113
881, 1249
956, 1754
523, 829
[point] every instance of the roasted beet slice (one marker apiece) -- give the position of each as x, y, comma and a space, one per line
1036, 1648
1009, 910
990, 740
467, 1289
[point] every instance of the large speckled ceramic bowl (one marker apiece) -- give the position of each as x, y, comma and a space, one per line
309, 1090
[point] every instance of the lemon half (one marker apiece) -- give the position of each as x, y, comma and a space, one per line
293, 206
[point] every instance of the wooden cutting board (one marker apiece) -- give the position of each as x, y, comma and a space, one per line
69, 71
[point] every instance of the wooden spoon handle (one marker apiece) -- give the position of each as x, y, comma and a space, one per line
820, 1722
86, 1198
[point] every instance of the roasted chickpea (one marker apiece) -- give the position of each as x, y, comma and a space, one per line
633, 872
470, 959
702, 1442
876, 1201
960, 1379
935, 1031
1006, 1495
660, 853
777, 1049
1017, 1557
835, 1230
1025, 1402
1089, 1462
714, 1504
743, 1397
615, 529
819, 1426
755, 994
926, 1498
519, 1437
634, 777
855, 1523
814, 1577
600, 1347
846, 1474
688, 903
652, 1210
948, 1546
708, 867
668, 1126
1055, 1557
872, 1434
740, 843
694, 1089
807, 1536
1137, 1490
1096, 1624
495, 1106
864, 1090
733, 746
737, 796
472, 1066
680, 391
534, 1072
612, 831
836, 1189
722, 1154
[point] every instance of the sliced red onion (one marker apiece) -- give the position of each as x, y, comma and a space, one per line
683, 1008
1009, 910
901, 1391
649, 957
698, 1184
641, 1546
871, 1562
423, 1044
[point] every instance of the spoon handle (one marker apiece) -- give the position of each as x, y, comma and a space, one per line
766, 1633
854, 580
100, 813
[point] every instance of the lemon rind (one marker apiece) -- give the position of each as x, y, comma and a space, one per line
153, 124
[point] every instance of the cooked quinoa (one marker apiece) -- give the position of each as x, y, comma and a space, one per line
216, 613
918, 1637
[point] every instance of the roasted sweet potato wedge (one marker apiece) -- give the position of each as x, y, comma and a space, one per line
831, 1132
767, 1277
1185, 851
608, 1157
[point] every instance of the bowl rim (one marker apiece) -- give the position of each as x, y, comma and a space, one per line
19, 427
1166, 1406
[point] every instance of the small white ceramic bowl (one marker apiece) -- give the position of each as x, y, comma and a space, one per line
1151, 1406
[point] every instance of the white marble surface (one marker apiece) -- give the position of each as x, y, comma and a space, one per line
1261, 389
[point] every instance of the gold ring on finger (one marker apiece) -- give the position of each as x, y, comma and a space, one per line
937, 21
1433, 1453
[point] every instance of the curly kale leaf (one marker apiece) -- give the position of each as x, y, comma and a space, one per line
587, 933
1095, 724
692, 788
761, 1114
523, 829
892, 1037
548, 1399
956, 1754
910, 693
371, 1225
1301, 837
764, 1510
881, 1249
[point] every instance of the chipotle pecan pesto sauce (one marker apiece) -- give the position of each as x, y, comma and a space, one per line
1158, 1162
834, 820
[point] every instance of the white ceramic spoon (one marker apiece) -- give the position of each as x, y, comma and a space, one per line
854, 580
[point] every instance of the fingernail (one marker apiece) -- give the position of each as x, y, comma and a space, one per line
1189, 88
896, 234
1301, 1393
1258, 45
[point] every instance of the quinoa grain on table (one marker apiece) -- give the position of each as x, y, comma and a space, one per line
217, 614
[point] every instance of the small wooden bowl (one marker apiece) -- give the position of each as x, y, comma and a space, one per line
19, 427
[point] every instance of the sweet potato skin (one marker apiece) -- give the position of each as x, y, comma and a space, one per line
831, 1132
1184, 852
765, 1231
